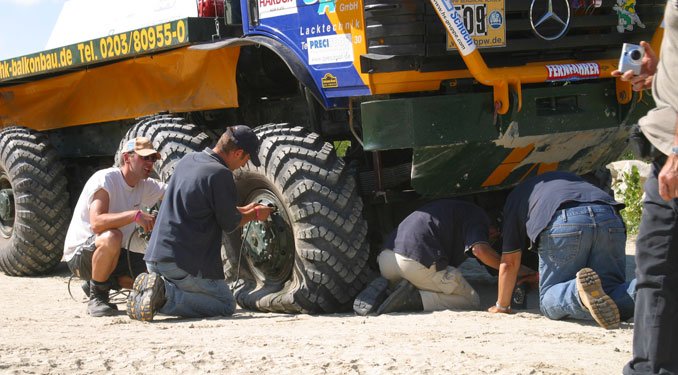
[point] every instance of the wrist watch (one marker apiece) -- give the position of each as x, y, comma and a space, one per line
674, 150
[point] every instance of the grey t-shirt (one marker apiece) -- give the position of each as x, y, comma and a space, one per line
659, 125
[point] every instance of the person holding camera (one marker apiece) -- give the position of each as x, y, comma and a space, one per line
104, 219
655, 331
186, 276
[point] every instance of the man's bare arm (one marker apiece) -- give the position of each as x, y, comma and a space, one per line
508, 273
101, 220
486, 254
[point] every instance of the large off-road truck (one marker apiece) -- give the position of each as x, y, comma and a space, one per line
365, 109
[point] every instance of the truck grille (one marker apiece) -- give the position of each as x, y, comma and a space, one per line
407, 35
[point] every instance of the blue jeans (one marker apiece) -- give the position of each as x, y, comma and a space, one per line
192, 296
591, 236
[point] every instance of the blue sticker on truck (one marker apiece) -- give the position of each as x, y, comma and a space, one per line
327, 35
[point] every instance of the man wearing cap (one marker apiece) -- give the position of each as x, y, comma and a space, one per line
110, 205
185, 248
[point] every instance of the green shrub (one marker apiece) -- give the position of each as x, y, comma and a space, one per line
341, 147
633, 196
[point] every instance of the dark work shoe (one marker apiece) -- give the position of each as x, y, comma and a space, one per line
98, 308
85, 288
98, 304
600, 305
405, 297
147, 297
371, 297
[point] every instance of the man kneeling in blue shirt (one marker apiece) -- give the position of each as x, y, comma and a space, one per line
420, 259
185, 247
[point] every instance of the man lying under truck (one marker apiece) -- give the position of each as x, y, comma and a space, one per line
104, 219
580, 238
185, 249
421, 256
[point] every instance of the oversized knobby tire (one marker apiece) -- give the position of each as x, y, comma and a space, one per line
171, 136
34, 210
311, 256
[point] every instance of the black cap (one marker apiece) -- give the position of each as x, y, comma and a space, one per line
244, 137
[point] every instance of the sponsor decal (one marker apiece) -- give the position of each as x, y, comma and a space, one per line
495, 20
572, 72
329, 49
324, 6
108, 48
454, 25
324, 28
347, 7
329, 81
482, 20
275, 8
627, 16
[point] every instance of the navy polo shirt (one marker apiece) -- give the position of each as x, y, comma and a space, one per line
199, 205
439, 232
531, 205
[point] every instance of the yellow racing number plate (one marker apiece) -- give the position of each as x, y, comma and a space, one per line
484, 20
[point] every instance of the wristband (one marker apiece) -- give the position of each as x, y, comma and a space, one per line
137, 216
501, 308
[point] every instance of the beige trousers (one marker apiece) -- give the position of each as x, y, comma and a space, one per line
439, 290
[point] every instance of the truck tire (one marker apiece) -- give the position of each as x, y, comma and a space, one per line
171, 136
311, 255
34, 210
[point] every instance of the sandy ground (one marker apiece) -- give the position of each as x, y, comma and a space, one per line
43, 330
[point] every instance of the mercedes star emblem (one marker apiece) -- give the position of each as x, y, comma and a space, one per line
549, 18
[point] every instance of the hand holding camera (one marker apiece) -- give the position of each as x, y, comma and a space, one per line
631, 58
637, 64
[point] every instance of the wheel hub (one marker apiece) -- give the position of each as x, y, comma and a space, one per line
259, 242
269, 245
6, 205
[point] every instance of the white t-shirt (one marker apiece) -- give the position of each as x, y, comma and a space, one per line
122, 197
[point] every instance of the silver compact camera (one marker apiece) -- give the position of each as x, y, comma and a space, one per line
631, 58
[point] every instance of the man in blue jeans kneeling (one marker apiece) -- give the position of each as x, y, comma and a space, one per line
185, 276
580, 238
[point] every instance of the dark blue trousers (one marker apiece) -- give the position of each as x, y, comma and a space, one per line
655, 331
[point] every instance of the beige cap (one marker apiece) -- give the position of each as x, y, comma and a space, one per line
140, 145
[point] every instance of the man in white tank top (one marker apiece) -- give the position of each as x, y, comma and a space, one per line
110, 205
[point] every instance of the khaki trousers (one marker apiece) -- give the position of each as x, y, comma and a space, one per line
439, 290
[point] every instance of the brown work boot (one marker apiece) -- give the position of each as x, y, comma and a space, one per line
147, 297
405, 297
600, 305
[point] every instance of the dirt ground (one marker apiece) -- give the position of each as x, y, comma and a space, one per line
44, 331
